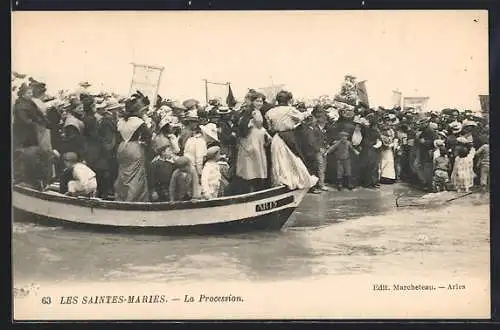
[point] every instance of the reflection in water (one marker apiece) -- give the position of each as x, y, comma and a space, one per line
334, 233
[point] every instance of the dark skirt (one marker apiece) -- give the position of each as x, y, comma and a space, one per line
292, 141
162, 173
370, 161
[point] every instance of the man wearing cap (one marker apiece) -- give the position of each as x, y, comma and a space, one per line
342, 151
314, 145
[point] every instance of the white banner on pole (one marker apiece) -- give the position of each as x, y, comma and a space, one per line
271, 91
418, 103
146, 79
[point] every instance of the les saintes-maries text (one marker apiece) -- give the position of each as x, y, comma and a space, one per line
148, 299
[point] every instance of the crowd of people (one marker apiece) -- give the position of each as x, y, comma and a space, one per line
132, 150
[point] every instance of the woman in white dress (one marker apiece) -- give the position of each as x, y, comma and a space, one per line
287, 166
387, 165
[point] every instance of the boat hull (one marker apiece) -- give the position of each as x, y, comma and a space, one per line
274, 221
268, 210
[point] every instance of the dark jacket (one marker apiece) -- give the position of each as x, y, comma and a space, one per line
312, 139
26, 117
107, 142
93, 152
341, 125
73, 141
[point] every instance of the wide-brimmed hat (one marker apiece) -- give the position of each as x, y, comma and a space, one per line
176, 105
467, 123
113, 104
190, 103
212, 152
455, 127
100, 105
75, 122
84, 84
210, 130
223, 110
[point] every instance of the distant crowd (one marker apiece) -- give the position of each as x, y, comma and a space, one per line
132, 150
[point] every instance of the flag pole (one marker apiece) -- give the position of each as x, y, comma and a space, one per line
206, 91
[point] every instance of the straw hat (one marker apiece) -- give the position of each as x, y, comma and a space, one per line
84, 84
177, 105
223, 110
113, 104
466, 123
101, 105
210, 130
190, 103
455, 127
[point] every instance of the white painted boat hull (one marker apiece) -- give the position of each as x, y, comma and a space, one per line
264, 210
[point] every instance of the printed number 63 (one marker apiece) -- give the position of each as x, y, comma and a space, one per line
46, 300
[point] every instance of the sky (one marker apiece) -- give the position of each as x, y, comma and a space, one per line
439, 54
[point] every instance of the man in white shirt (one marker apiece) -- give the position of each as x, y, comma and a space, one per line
82, 181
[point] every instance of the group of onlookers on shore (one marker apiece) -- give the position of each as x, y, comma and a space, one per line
131, 150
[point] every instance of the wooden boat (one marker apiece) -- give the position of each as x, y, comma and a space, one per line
263, 210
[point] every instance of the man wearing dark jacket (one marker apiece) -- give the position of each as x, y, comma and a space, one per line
106, 167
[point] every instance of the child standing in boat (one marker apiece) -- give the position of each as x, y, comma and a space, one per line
184, 184
211, 175
77, 179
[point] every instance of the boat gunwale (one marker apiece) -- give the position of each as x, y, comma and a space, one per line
153, 206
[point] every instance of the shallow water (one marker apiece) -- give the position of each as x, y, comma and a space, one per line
335, 233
